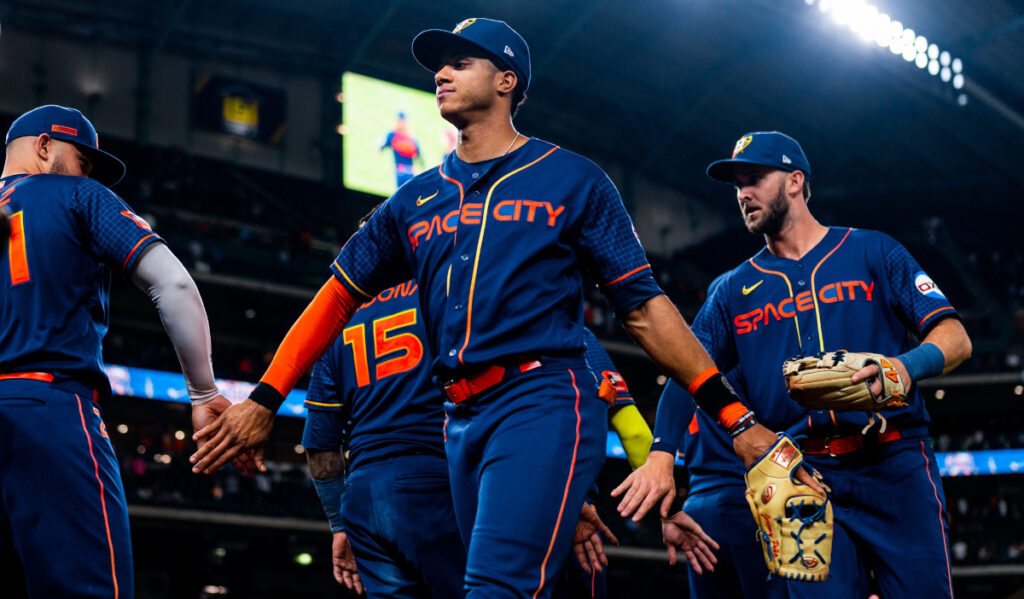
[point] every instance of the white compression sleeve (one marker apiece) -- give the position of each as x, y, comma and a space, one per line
159, 273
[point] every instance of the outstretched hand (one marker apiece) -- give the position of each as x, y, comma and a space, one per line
586, 542
646, 485
205, 414
243, 426
682, 533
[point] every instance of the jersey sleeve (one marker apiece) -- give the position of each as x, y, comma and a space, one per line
675, 409
712, 328
324, 409
610, 247
913, 292
114, 234
608, 375
373, 259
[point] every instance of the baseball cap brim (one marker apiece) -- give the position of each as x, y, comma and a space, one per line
106, 168
430, 45
722, 170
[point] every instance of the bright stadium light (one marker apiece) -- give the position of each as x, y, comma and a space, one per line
882, 23
869, 24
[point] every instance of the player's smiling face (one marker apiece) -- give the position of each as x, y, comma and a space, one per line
760, 191
466, 83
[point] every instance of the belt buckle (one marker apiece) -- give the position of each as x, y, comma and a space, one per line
828, 445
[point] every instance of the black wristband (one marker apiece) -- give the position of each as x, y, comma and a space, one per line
267, 396
714, 395
745, 421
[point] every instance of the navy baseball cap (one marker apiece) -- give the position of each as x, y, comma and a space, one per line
500, 43
767, 148
70, 125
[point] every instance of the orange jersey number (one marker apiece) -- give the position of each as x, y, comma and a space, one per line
16, 250
387, 340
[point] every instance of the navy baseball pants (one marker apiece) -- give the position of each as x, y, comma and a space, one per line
890, 514
399, 519
62, 507
522, 456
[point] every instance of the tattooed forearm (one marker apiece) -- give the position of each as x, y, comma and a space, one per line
325, 464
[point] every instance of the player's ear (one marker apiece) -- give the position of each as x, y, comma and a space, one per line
42, 146
795, 183
507, 82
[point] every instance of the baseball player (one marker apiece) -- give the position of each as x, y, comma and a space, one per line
497, 237
388, 414
404, 148
62, 507
815, 289
372, 394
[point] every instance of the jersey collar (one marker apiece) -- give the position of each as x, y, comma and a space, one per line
829, 241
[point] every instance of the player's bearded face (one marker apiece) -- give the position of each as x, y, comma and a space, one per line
769, 220
68, 160
763, 203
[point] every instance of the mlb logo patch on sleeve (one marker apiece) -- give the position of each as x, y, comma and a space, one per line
926, 286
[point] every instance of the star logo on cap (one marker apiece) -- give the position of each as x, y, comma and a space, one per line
741, 144
463, 25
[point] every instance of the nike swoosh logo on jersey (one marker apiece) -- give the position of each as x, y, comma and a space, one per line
747, 290
423, 200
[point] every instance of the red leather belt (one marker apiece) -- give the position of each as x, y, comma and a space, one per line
459, 390
45, 377
834, 446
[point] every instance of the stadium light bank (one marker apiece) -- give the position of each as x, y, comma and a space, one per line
873, 26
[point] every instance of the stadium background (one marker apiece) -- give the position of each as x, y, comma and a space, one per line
652, 91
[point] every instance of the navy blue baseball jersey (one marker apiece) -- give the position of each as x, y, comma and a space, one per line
856, 290
68, 234
497, 248
372, 391
373, 394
